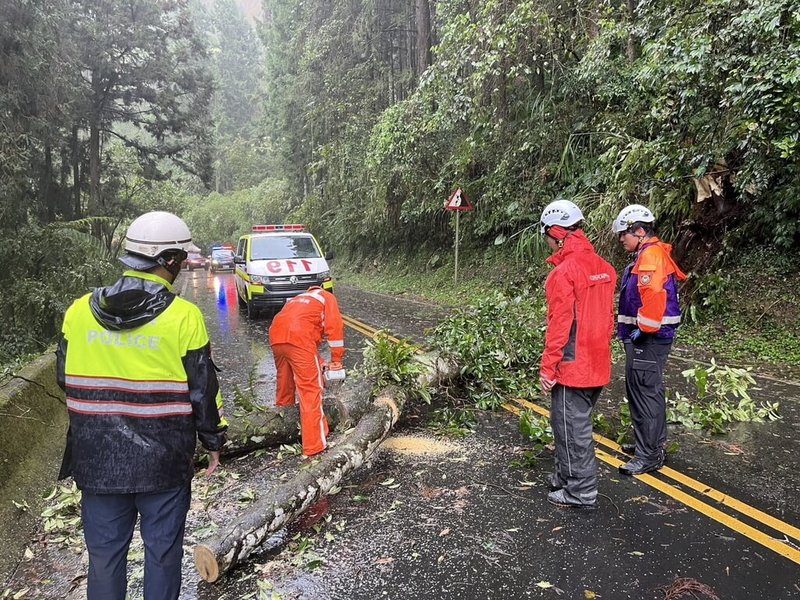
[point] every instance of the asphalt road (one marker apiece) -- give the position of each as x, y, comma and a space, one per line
438, 518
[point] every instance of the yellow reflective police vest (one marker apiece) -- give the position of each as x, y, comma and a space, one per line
138, 397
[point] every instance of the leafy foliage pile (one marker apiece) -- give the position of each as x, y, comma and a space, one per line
392, 363
499, 343
721, 398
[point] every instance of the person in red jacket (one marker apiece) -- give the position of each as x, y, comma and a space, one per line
576, 361
295, 335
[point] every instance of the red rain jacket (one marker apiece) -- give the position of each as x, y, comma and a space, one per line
580, 316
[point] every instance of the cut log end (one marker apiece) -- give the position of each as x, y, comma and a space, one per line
206, 562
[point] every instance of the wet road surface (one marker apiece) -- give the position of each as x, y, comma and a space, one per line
439, 518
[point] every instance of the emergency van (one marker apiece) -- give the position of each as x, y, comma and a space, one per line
275, 263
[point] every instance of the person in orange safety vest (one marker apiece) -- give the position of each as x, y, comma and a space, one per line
295, 335
649, 314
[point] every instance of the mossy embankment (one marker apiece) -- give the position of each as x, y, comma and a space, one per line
33, 424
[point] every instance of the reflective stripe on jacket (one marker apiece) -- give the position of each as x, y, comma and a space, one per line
648, 298
138, 398
580, 316
304, 320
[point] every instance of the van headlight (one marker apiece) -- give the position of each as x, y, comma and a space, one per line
324, 275
259, 279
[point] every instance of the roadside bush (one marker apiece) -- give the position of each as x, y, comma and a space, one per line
44, 270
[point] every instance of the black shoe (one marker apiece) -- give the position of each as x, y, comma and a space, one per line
559, 499
638, 466
628, 448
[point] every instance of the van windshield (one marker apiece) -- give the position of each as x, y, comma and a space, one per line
221, 253
282, 247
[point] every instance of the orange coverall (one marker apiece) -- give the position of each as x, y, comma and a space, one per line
295, 335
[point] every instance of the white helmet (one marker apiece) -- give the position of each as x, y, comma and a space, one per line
152, 234
634, 213
560, 212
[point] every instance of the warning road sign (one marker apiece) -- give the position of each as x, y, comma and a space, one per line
458, 201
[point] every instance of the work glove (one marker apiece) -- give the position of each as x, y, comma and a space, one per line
637, 337
336, 371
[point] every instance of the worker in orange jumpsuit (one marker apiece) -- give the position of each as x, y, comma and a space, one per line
295, 335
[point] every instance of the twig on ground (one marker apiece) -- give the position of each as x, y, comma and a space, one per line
612, 502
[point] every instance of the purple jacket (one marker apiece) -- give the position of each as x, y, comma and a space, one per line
648, 298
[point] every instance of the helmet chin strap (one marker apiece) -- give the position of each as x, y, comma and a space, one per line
640, 238
559, 234
173, 266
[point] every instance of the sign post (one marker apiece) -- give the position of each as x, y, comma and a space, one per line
458, 202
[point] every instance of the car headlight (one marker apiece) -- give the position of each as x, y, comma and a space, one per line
324, 275
259, 279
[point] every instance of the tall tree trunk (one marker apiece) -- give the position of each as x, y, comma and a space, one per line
423, 11
94, 147
46, 196
633, 46
64, 195
594, 19
76, 175
94, 170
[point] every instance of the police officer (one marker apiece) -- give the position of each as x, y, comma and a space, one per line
576, 361
135, 363
649, 314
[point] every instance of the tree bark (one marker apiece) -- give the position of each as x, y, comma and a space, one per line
423, 12
76, 179
632, 49
281, 425
216, 556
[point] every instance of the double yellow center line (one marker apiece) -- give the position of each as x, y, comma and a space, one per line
786, 546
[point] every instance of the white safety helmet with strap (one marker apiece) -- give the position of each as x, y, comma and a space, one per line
153, 234
633, 213
560, 212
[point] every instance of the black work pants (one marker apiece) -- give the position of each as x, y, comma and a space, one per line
644, 386
571, 421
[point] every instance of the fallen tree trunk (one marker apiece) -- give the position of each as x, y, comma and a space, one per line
214, 557
281, 425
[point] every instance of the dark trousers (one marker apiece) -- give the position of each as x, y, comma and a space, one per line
108, 522
571, 421
644, 386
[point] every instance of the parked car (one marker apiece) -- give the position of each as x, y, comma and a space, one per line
195, 260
